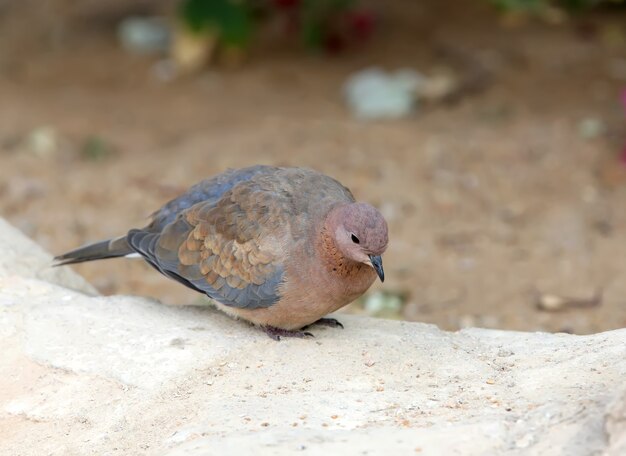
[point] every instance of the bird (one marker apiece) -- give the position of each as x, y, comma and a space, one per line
278, 247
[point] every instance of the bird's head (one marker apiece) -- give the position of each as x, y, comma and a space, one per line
360, 233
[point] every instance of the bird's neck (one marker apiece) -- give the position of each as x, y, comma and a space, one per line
331, 256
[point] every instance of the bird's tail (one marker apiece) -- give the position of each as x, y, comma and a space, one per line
111, 248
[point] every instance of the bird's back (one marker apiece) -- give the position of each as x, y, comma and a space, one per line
299, 192
207, 190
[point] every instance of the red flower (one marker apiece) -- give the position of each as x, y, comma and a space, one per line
362, 23
286, 4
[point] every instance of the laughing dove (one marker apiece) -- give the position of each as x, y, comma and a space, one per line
278, 247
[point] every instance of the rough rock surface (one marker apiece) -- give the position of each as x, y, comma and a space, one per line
82, 375
616, 426
21, 257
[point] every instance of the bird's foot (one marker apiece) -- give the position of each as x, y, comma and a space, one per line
326, 322
277, 333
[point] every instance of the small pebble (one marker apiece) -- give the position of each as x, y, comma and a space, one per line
591, 127
525, 441
376, 94
43, 141
144, 35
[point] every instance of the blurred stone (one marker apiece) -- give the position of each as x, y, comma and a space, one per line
467, 321
549, 302
43, 141
591, 127
437, 86
375, 94
489, 321
144, 35
192, 51
384, 304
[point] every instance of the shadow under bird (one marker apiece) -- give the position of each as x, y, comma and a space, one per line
277, 247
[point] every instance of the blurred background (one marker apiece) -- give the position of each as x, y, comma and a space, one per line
491, 134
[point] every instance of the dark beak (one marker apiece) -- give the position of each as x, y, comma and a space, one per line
377, 262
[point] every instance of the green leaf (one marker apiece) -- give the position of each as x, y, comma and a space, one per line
231, 19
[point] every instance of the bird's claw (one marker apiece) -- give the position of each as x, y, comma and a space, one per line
277, 333
331, 322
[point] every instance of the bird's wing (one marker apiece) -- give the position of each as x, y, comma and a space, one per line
233, 249
208, 190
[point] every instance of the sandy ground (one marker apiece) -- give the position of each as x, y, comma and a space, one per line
489, 200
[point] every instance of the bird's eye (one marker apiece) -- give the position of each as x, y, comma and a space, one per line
355, 239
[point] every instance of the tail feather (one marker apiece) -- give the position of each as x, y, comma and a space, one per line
111, 248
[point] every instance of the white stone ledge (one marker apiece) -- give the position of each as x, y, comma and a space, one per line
82, 374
